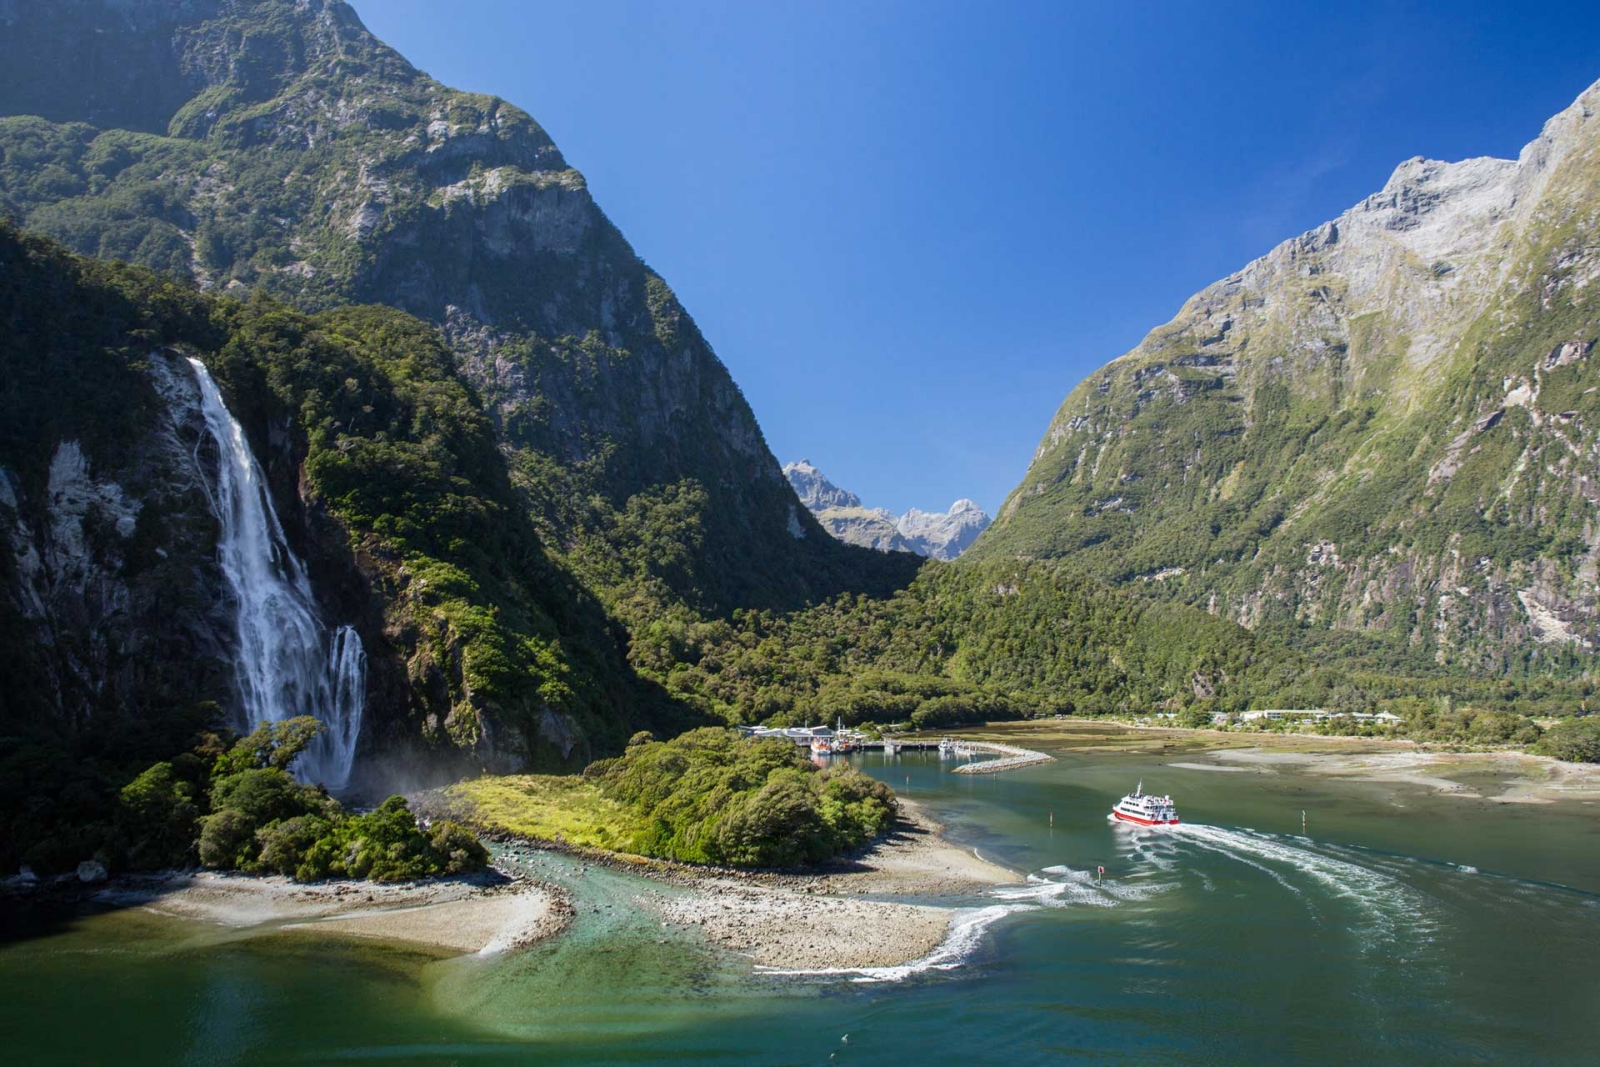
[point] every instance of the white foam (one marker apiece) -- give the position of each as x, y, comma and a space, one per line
1075, 887
965, 933
1072, 887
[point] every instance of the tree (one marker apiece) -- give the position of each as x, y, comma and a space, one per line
1576, 740
272, 744
156, 819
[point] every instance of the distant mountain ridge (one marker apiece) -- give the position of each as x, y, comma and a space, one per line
1385, 427
937, 534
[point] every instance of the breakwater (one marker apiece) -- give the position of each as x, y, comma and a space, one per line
1011, 757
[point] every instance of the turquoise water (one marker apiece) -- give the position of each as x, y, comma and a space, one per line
1404, 927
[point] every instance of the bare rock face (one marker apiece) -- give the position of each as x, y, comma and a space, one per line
115, 583
943, 534
938, 534
1388, 424
814, 490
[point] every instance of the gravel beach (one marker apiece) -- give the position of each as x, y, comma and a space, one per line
820, 920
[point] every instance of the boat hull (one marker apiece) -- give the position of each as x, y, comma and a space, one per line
1136, 820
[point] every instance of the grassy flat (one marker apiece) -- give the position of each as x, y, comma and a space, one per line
564, 808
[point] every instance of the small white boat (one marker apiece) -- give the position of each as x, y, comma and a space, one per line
1144, 810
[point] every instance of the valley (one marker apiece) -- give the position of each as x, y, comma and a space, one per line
387, 559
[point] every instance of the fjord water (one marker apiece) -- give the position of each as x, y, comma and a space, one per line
1404, 927
287, 662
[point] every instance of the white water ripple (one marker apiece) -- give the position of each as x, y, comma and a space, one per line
1387, 906
965, 934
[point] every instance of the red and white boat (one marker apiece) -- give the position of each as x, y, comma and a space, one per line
1144, 810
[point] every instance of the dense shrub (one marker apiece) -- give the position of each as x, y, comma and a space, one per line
1577, 740
709, 796
263, 821
157, 817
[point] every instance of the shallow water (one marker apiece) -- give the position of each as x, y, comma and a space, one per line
1403, 926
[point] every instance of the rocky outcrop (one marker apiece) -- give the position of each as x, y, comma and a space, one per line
814, 489
938, 534
1386, 424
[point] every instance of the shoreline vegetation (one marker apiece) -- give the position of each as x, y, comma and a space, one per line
779, 920
705, 797
887, 904
755, 851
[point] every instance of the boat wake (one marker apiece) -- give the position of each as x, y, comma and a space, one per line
1363, 894
1383, 906
1376, 903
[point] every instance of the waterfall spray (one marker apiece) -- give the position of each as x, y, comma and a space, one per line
287, 663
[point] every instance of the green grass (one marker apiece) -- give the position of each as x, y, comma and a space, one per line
560, 808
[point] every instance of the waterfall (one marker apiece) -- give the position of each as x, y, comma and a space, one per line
287, 662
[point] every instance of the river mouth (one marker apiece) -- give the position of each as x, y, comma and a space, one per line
1403, 925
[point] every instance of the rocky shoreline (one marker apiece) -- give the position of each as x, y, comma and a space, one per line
1011, 757
836, 917
887, 905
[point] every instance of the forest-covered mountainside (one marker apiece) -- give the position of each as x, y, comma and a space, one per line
275, 147
278, 147
488, 646
484, 647
1378, 441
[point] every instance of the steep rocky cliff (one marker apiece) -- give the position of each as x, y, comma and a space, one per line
1387, 425
276, 147
483, 647
938, 534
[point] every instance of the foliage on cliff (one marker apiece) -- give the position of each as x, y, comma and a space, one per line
564, 461
394, 450
1375, 441
279, 147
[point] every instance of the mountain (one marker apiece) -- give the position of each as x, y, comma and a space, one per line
534, 370
1383, 431
939, 534
943, 534
814, 489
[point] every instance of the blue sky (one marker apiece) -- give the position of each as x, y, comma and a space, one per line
910, 228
